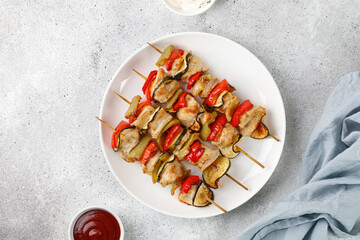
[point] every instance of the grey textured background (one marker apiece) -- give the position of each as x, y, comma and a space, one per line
57, 57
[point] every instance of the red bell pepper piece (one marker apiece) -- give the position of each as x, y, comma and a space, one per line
132, 119
216, 128
149, 151
174, 55
217, 90
240, 110
196, 151
115, 135
147, 84
192, 80
141, 106
186, 186
172, 134
181, 102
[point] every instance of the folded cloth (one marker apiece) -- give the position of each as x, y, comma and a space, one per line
328, 198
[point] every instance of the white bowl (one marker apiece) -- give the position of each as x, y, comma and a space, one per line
188, 13
73, 221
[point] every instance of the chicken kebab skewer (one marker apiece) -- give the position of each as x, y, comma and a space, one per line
164, 167
179, 140
213, 128
191, 70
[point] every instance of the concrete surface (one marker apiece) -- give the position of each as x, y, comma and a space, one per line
57, 57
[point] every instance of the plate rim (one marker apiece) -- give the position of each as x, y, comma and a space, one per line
282, 142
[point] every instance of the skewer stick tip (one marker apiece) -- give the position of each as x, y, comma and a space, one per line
158, 50
253, 159
236, 181
143, 77
107, 125
275, 138
217, 205
122, 97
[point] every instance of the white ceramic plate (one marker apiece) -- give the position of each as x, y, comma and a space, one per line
226, 59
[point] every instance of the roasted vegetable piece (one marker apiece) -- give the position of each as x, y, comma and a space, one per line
215, 171
188, 197
147, 84
149, 152
184, 67
261, 131
172, 136
181, 102
165, 89
174, 55
115, 136
186, 148
192, 180
231, 150
244, 106
165, 56
163, 158
205, 129
137, 152
133, 107
141, 106
192, 80
196, 151
200, 84
173, 99
216, 128
214, 94
128, 139
203, 193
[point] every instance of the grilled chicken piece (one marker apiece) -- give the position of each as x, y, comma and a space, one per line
174, 173
231, 102
144, 117
189, 196
208, 157
129, 138
159, 122
187, 115
208, 87
148, 168
200, 84
195, 65
227, 137
250, 120
166, 90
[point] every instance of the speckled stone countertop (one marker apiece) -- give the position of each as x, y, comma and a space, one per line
57, 57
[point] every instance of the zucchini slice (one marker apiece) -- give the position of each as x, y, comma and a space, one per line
219, 101
162, 135
145, 118
184, 67
165, 56
205, 128
215, 171
133, 107
186, 148
261, 131
203, 192
137, 152
169, 159
200, 84
188, 197
157, 166
170, 104
165, 89
231, 150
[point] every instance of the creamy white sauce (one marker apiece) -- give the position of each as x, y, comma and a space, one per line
189, 5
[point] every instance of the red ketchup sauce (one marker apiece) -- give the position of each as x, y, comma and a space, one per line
96, 224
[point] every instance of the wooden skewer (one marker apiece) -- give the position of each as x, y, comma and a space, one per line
158, 50
276, 139
122, 97
245, 153
225, 173
217, 205
107, 125
236, 181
